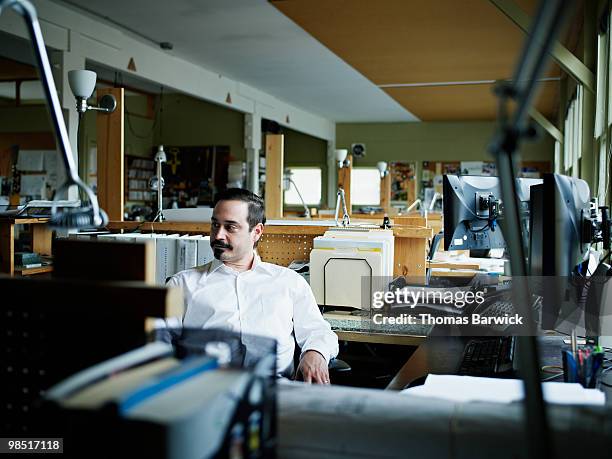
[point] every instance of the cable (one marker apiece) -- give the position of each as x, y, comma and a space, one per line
480, 230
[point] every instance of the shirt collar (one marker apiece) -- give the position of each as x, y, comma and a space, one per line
257, 265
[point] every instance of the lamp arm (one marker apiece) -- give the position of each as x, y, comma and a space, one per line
346, 220
306, 209
412, 206
435, 198
25, 9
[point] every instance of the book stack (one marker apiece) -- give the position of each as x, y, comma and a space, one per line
151, 403
27, 260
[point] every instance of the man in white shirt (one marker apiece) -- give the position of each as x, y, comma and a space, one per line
240, 292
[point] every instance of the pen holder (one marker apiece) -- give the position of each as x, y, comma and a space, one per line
585, 367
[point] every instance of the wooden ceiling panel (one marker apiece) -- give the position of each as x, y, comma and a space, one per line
394, 42
467, 102
417, 41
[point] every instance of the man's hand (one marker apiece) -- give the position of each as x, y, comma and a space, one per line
313, 368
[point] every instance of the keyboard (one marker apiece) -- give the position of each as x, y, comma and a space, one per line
487, 356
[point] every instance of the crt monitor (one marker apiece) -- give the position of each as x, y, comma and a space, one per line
560, 212
472, 208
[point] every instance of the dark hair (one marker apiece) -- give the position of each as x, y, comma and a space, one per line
256, 204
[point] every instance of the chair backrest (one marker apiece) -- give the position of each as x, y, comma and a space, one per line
433, 248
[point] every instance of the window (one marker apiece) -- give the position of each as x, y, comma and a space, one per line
572, 142
365, 186
308, 182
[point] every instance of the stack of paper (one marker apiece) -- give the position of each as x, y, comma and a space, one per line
348, 266
477, 389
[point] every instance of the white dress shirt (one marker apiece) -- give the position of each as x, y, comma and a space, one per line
267, 300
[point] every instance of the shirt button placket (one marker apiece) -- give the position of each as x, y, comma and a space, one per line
239, 302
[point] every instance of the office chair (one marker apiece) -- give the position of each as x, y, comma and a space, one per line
336, 366
433, 247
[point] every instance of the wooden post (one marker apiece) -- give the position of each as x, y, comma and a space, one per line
385, 193
42, 239
274, 175
410, 252
344, 182
7, 249
110, 157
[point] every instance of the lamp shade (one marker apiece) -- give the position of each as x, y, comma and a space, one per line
341, 154
82, 83
382, 167
160, 155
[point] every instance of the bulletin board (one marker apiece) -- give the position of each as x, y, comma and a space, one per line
403, 181
195, 172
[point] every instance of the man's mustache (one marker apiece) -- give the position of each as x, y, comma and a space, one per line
220, 245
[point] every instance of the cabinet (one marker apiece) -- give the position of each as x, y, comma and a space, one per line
42, 237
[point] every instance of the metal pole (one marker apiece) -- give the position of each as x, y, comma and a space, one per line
534, 57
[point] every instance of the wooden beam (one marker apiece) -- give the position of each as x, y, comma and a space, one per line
274, 175
110, 156
546, 124
385, 192
563, 56
344, 182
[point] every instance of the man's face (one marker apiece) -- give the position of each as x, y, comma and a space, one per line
230, 237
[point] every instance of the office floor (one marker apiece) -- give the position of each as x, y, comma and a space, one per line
372, 365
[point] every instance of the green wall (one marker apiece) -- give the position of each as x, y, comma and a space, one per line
189, 121
302, 150
432, 141
26, 118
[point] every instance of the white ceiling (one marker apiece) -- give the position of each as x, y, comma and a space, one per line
252, 42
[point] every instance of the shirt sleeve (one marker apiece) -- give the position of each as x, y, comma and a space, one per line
173, 322
312, 331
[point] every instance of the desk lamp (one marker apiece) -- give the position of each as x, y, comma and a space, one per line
82, 84
341, 158
157, 183
68, 218
382, 168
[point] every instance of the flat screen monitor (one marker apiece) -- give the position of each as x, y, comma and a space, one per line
472, 208
560, 206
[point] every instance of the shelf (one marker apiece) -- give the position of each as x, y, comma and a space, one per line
32, 271
23, 221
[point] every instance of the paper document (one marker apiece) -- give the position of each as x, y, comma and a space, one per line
477, 389
31, 160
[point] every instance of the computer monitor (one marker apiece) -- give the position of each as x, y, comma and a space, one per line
472, 208
560, 210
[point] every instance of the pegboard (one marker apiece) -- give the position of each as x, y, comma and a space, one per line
282, 249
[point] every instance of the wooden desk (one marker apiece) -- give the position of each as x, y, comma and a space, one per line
439, 354
42, 237
443, 354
